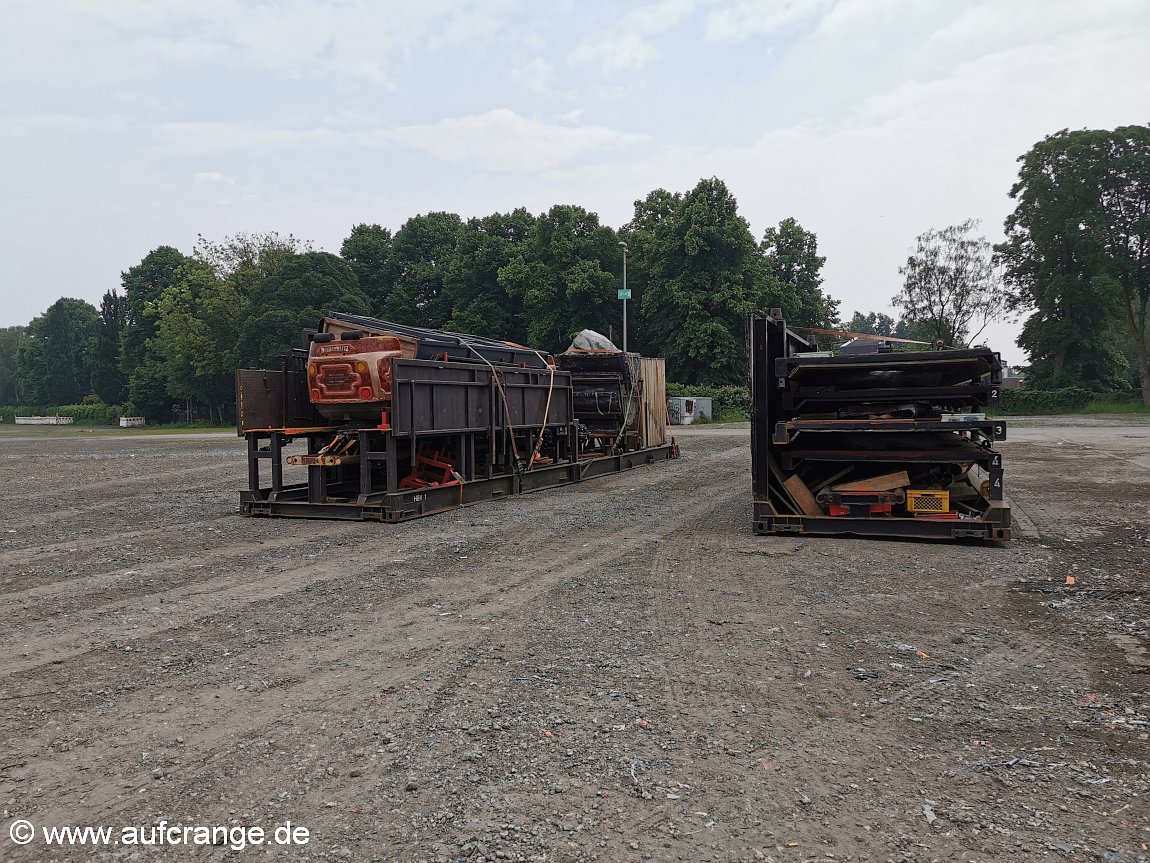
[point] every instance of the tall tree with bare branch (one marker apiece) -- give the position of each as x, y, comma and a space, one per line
951, 287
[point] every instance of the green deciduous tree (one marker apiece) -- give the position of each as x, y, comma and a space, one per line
243, 256
148, 390
879, 324
296, 295
1077, 255
196, 339
565, 276
10, 338
479, 302
108, 380
421, 254
651, 218
368, 251
143, 285
1073, 338
950, 284
54, 360
873, 323
704, 276
1123, 231
794, 280
181, 323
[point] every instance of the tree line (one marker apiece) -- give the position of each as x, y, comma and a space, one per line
1075, 266
180, 324
1075, 263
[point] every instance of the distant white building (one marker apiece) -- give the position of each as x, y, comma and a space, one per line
44, 421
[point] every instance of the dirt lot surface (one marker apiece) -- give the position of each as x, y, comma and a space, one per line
616, 671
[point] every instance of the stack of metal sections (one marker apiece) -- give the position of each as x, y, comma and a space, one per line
391, 422
873, 441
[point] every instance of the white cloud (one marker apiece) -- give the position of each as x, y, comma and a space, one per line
628, 44
208, 138
355, 40
51, 123
498, 140
211, 178
536, 75
746, 18
861, 49
502, 140
994, 27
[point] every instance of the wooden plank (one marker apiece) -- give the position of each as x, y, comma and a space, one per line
885, 482
653, 386
802, 495
781, 498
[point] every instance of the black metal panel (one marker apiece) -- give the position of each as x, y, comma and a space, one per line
770, 339
450, 398
793, 457
949, 367
626, 461
299, 412
957, 395
786, 432
761, 416
267, 399
259, 399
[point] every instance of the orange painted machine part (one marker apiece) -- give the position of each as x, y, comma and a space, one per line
875, 509
352, 371
429, 471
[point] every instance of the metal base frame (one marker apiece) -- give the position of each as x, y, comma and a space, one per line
995, 526
292, 501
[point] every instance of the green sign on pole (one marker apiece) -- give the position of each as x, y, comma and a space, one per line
624, 293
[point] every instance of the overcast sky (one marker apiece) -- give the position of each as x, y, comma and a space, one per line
128, 124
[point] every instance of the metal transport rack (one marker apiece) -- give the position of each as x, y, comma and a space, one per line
380, 422
875, 443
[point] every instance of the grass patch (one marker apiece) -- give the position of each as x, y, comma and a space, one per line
76, 430
1113, 408
731, 415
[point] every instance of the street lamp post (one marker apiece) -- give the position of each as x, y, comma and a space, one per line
624, 295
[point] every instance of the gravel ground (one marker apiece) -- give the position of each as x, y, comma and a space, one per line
1091, 421
615, 671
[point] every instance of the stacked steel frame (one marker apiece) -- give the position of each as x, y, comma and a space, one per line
890, 443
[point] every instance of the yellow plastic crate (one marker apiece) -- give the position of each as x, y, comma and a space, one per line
927, 500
